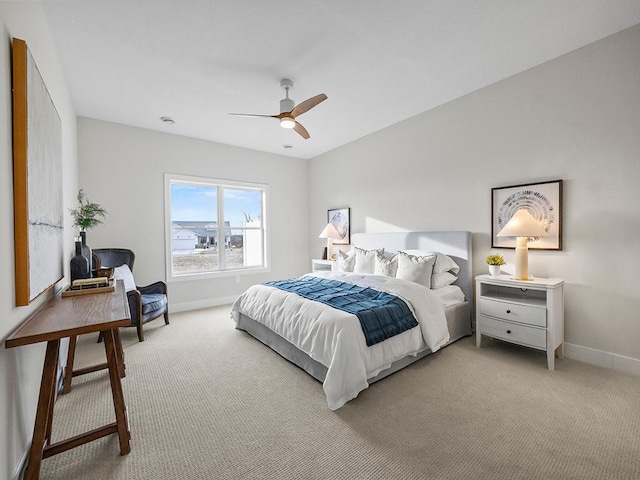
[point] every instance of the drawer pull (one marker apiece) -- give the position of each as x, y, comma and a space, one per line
508, 311
508, 331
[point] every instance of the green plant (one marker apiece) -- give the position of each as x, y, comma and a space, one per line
495, 260
88, 214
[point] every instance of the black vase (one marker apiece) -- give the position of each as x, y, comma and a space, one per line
86, 251
79, 264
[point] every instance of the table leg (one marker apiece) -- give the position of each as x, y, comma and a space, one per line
116, 390
119, 352
68, 371
44, 413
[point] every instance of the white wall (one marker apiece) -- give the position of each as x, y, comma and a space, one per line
20, 368
575, 118
122, 168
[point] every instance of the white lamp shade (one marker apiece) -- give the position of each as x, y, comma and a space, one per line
329, 232
522, 224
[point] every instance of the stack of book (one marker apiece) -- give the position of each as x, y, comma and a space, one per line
87, 283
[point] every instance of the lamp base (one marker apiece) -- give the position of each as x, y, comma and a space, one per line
522, 259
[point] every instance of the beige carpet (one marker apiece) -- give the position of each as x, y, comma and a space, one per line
206, 401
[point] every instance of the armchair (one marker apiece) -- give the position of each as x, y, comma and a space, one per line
145, 303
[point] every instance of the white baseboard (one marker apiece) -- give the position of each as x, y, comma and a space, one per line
601, 358
214, 302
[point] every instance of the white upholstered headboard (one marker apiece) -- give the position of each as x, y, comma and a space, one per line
456, 244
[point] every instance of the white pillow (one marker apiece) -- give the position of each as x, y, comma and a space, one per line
439, 280
366, 260
346, 261
386, 266
415, 269
124, 273
444, 263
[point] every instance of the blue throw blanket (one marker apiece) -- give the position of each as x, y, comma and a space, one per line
381, 314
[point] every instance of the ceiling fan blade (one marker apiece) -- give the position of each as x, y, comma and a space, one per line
308, 104
301, 131
253, 115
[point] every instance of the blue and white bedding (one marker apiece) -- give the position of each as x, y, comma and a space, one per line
381, 315
335, 339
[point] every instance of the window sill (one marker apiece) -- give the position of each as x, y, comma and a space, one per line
190, 277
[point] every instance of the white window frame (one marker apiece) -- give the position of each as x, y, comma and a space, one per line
220, 185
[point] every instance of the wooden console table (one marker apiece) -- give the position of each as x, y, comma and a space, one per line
69, 317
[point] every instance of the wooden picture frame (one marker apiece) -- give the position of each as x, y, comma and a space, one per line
544, 202
37, 180
341, 219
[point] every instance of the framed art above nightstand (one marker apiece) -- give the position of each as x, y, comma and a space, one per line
529, 313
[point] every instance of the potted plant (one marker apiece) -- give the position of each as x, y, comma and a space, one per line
495, 262
87, 215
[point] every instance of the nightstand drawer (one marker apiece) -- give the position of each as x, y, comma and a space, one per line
514, 312
534, 337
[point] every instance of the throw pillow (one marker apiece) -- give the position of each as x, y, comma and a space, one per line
415, 269
346, 261
386, 266
366, 260
123, 272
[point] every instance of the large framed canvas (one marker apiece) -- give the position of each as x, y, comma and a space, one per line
542, 200
37, 180
340, 218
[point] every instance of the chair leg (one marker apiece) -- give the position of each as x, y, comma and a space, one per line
166, 317
99, 337
140, 332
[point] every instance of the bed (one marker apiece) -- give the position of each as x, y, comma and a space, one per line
329, 344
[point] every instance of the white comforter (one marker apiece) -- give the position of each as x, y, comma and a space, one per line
334, 338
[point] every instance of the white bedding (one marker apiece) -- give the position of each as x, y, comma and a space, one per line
450, 295
334, 338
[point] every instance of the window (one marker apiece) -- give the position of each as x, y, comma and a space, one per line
214, 227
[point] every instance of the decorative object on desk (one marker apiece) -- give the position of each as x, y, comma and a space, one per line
331, 234
89, 286
340, 218
79, 264
86, 251
86, 216
104, 272
37, 180
542, 200
495, 261
522, 225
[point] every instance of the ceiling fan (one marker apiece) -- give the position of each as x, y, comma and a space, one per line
289, 110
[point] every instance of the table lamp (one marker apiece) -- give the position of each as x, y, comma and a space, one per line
329, 233
522, 225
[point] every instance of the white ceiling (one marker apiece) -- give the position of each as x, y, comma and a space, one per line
379, 62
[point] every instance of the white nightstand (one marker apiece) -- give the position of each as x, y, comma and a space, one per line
529, 313
318, 265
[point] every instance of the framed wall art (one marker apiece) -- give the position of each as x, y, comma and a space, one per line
37, 180
542, 200
341, 219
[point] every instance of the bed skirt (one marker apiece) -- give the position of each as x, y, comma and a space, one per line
458, 320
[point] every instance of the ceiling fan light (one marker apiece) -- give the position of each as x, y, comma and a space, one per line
287, 122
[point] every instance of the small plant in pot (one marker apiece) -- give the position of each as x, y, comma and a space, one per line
87, 215
495, 262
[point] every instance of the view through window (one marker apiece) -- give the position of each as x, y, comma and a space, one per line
216, 226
